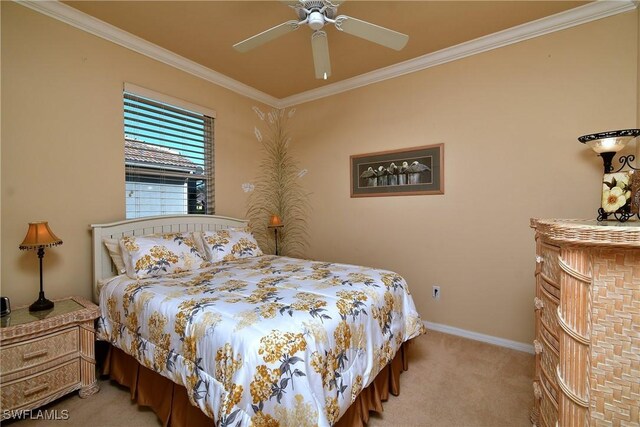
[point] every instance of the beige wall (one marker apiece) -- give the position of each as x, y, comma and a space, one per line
63, 156
509, 119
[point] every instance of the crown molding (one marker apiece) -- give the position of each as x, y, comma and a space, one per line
85, 22
560, 21
580, 15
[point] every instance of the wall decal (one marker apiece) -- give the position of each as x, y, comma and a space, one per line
278, 190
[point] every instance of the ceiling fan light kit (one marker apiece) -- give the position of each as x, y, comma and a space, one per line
316, 14
316, 20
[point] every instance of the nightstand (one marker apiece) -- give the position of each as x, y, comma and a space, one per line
47, 354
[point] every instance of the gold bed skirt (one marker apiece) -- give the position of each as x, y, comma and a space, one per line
170, 402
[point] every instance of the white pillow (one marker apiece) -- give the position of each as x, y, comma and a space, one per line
197, 238
230, 244
159, 255
113, 246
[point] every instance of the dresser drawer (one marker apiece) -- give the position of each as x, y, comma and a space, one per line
550, 267
550, 288
549, 313
548, 409
550, 338
38, 351
27, 391
548, 364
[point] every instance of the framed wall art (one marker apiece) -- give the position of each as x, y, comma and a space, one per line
404, 172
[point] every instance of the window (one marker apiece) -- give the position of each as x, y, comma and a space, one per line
168, 155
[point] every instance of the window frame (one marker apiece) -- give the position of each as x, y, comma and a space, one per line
209, 154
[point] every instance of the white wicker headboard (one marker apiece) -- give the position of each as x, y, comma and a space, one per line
102, 264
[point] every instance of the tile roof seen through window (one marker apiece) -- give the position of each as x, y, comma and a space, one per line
153, 156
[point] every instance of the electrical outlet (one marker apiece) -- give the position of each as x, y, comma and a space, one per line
435, 292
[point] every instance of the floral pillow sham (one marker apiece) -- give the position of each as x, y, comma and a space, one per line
162, 254
230, 244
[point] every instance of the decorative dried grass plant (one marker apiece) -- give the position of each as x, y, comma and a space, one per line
277, 190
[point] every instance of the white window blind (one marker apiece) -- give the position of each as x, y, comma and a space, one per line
168, 158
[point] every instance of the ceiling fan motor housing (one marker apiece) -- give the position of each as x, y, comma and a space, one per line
306, 7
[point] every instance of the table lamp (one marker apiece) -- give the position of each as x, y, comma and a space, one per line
607, 144
40, 236
618, 190
275, 222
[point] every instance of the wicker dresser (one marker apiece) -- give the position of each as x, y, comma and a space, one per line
45, 355
587, 337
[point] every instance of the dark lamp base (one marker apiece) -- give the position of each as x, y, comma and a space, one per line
41, 304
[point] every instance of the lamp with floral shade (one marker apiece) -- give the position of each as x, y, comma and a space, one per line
621, 187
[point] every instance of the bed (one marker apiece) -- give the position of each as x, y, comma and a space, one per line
249, 340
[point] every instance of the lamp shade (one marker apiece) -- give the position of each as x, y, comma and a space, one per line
609, 142
39, 235
275, 221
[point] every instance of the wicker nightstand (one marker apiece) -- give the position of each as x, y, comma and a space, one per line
47, 354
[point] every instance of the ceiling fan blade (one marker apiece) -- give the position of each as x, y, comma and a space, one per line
320, 48
372, 32
266, 36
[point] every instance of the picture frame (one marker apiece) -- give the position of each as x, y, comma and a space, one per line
405, 172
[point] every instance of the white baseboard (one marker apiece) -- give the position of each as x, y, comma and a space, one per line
514, 345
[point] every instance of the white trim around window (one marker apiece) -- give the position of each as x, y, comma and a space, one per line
167, 99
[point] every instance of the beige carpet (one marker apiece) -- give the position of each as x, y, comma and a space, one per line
451, 382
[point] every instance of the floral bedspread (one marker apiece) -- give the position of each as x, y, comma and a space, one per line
267, 340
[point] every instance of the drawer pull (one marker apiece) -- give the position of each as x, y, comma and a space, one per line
537, 346
538, 303
539, 259
536, 390
36, 389
34, 354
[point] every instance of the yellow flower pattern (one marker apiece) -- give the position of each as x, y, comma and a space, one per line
342, 336
159, 255
265, 341
383, 314
129, 242
261, 419
217, 240
300, 415
262, 381
231, 399
332, 409
356, 388
276, 344
230, 244
226, 365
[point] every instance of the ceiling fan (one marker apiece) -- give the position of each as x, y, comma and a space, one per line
316, 14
